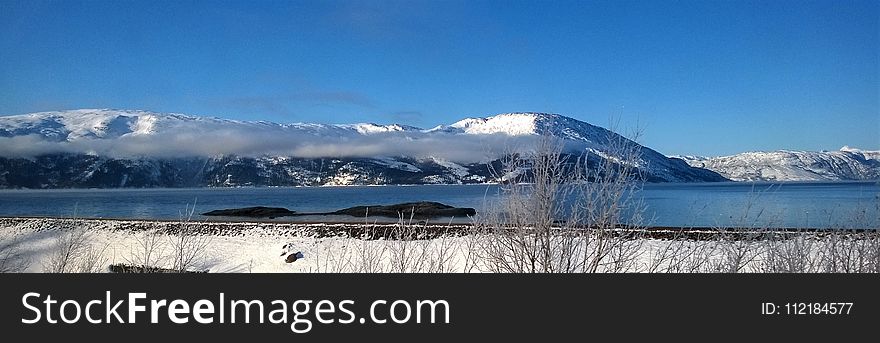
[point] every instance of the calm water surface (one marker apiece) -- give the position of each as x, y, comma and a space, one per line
790, 204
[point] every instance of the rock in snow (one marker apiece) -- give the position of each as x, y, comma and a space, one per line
290, 254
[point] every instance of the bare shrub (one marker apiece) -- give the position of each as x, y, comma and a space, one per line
561, 215
371, 254
855, 246
408, 246
442, 249
736, 251
12, 258
740, 245
468, 247
148, 249
74, 252
94, 259
188, 245
68, 247
681, 255
790, 253
336, 256
339, 256
850, 252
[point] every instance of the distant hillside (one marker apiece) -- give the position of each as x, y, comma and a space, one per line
121, 148
845, 164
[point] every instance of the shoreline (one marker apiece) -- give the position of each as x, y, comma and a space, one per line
387, 221
387, 230
242, 246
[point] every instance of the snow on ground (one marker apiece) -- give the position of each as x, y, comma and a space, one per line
231, 247
391, 162
241, 247
455, 168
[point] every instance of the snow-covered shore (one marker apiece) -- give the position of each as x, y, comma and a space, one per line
241, 247
230, 246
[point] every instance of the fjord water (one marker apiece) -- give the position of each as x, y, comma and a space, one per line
787, 204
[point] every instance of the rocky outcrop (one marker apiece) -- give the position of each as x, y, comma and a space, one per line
421, 209
252, 212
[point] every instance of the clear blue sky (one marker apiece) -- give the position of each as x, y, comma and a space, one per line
704, 77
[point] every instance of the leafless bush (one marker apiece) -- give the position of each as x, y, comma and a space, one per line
94, 260
344, 255
560, 215
468, 247
440, 257
790, 253
850, 252
414, 250
371, 254
735, 253
855, 246
337, 256
74, 252
519, 233
740, 245
148, 249
68, 247
12, 259
408, 248
188, 246
851, 247
681, 255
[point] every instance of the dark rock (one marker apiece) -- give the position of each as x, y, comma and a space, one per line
293, 257
254, 212
421, 209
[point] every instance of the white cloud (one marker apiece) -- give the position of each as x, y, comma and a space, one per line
258, 141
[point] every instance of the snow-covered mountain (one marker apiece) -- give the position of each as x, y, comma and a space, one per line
844, 164
124, 148
107, 123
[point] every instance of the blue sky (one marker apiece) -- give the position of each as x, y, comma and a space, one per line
704, 77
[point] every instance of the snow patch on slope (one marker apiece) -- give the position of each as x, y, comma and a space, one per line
784, 165
127, 134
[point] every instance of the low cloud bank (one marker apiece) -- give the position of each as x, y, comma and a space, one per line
462, 148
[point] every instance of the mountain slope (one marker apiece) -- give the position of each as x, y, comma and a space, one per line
595, 139
845, 164
107, 123
117, 148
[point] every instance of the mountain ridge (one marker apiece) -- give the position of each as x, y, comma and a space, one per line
793, 165
134, 148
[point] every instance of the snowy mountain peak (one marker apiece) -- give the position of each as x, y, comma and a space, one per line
786, 165
514, 124
79, 124
531, 123
372, 128
847, 148
142, 134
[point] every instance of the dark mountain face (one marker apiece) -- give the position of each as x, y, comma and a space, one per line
87, 171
